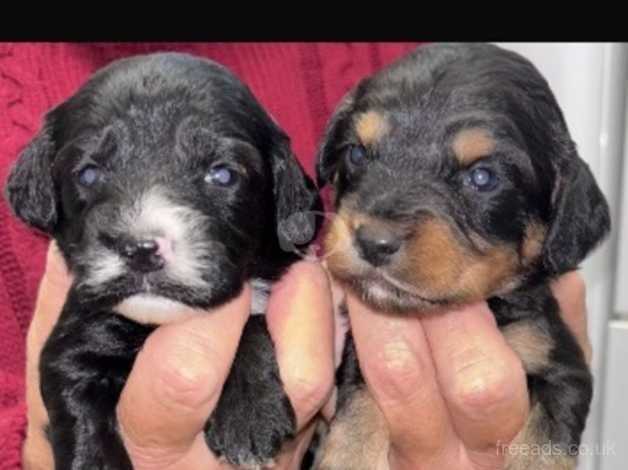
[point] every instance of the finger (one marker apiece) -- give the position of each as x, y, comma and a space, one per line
300, 321
396, 362
56, 269
294, 451
53, 289
480, 376
176, 381
198, 457
570, 292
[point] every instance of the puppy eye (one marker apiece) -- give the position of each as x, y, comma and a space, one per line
221, 175
90, 175
481, 178
357, 155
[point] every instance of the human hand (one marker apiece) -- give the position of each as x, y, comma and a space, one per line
449, 386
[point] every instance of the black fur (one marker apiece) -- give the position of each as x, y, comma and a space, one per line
34, 203
153, 126
565, 386
426, 98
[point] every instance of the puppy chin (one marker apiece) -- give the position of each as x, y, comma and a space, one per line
155, 309
381, 295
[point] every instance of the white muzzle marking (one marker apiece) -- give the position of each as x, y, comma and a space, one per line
154, 309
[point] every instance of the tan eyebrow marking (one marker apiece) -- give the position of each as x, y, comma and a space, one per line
470, 145
370, 126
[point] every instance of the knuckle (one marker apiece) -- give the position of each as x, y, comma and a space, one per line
309, 393
485, 385
398, 373
187, 376
149, 457
312, 273
183, 387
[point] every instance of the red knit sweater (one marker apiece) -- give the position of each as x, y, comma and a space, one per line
299, 84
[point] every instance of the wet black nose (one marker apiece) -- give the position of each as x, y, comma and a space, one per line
142, 255
376, 244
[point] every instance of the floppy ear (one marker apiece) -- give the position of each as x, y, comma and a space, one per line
580, 217
30, 190
296, 199
327, 157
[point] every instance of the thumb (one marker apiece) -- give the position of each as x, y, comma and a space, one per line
176, 381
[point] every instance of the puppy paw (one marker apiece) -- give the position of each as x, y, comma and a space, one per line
254, 417
250, 431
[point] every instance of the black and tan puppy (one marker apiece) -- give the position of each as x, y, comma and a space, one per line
456, 180
165, 184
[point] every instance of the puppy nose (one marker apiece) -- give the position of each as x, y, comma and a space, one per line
142, 255
376, 244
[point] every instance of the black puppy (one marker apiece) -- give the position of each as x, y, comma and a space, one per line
456, 180
166, 186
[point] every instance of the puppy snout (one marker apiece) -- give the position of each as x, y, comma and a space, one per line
376, 244
143, 255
